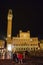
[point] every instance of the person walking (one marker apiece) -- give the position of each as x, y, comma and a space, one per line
20, 58
15, 57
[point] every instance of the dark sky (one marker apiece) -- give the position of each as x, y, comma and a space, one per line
27, 15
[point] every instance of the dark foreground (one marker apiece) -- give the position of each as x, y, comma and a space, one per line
29, 61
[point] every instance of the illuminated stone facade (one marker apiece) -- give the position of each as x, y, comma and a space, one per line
23, 42
2, 43
41, 44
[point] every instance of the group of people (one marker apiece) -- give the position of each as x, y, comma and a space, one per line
18, 57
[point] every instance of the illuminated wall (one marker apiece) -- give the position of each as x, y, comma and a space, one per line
41, 44
34, 43
25, 35
24, 42
2, 43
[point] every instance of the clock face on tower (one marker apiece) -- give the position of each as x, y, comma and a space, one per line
10, 17
9, 35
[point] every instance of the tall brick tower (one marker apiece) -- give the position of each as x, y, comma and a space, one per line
9, 26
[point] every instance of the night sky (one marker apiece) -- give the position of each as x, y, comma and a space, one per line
27, 15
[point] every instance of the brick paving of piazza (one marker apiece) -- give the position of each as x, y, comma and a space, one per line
31, 61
